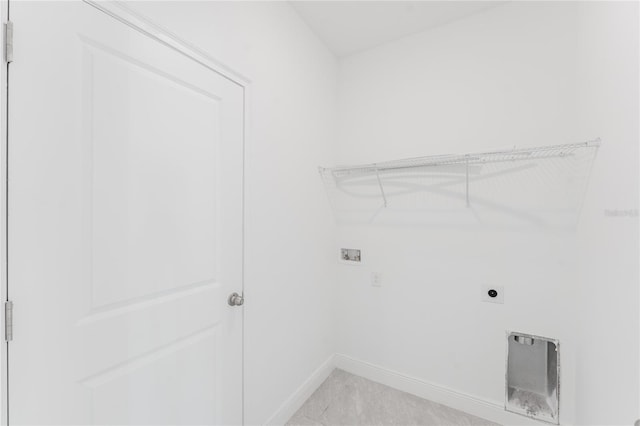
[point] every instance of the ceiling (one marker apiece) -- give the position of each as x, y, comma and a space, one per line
347, 27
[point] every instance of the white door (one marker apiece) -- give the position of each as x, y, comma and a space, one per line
124, 226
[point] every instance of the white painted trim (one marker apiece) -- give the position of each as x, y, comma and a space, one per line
471, 404
122, 12
297, 398
4, 374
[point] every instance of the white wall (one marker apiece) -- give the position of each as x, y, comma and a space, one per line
607, 102
289, 230
524, 74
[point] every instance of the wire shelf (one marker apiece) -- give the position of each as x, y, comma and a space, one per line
542, 185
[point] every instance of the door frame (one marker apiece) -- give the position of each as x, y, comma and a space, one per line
120, 11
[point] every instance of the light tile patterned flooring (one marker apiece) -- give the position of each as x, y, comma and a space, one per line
345, 399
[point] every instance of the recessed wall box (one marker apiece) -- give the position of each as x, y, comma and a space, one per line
351, 256
532, 379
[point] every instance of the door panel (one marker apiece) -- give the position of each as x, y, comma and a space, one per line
125, 226
147, 173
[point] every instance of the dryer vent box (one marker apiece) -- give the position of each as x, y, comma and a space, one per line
533, 371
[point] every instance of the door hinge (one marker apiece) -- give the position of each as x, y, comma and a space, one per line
8, 41
8, 321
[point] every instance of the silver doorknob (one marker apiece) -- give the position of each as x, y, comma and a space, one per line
235, 300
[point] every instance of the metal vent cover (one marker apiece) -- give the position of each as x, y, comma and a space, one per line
532, 384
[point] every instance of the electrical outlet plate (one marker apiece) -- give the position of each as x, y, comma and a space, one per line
499, 297
376, 280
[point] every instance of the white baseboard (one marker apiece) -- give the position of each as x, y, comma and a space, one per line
295, 401
489, 410
471, 404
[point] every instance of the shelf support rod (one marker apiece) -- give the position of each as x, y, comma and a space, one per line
384, 197
467, 192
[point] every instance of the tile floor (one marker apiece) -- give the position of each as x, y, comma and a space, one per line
345, 399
